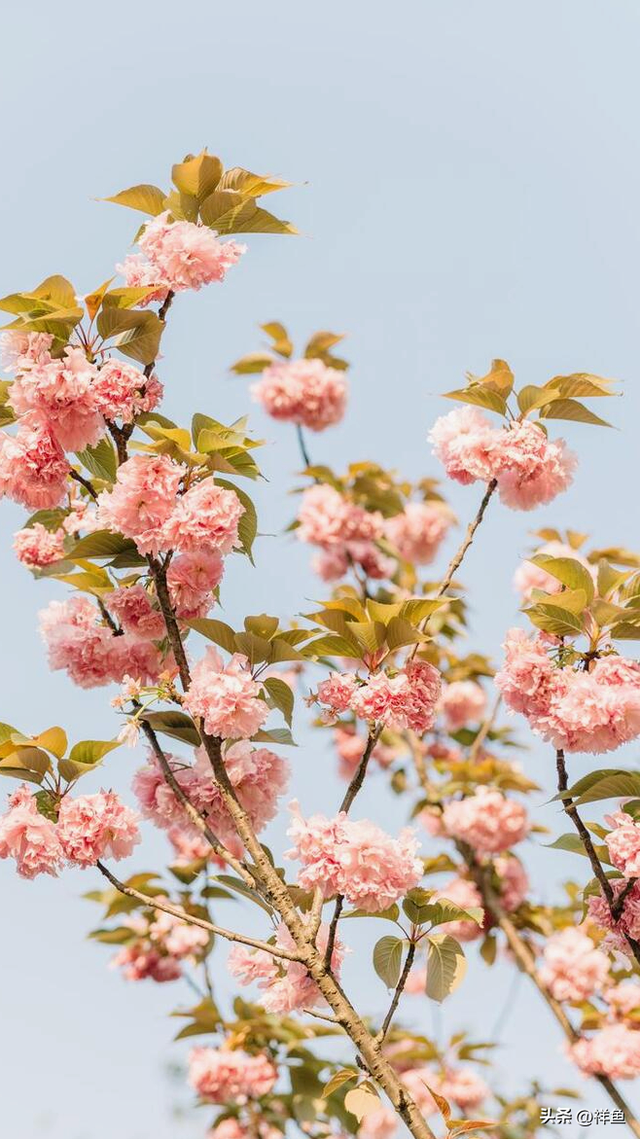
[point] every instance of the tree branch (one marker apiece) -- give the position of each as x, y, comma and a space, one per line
587, 842
191, 919
458, 557
398, 993
77, 477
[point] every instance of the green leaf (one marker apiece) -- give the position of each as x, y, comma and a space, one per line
136, 334
248, 524
281, 695
216, 631
362, 1101
279, 336
274, 736
239, 887
100, 460
531, 397
554, 619
252, 363
446, 966
101, 544
581, 384
197, 176
621, 785
387, 960
251, 185
568, 571
262, 625
250, 218
573, 410
219, 203
338, 1079
91, 751
480, 396
146, 198
573, 845
175, 724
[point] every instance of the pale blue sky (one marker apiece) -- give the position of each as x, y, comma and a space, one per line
467, 183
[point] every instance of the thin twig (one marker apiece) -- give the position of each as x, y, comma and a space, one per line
191, 919
396, 996
77, 477
303, 446
587, 842
457, 558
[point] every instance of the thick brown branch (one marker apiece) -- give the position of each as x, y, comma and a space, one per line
191, 919
587, 842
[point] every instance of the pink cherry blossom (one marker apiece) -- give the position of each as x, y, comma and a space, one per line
627, 925
463, 441
623, 999
139, 961
418, 1081
613, 1051
96, 826
191, 579
530, 469
33, 468
337, 691
142, 501
122, 391
326, 518
286, 985
61, 394
593, 711
306, 392
464, 1088
486, 820
220, 1075
206, 517
88, 650
28, 837
258, 776
21, 350
418, 532
226, 697
182, 255
178, 938
462, 702
132, 608
36, 546
356, 859
407, 700
350, 748
139, 273
513, 881
573, 969
379, 1124
624, 844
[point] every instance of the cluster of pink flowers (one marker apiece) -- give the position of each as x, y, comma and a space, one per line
305, 392
35, 546
158, 947
529, 470
345, 533
257, 775
144, 505
355, 859
486, 820
232, 1128
220, 1075
89, 827
122, 391
178, 255
628, 923
462, 702
286, 985
407, 700
191, 579
624, 844
418, 532
227, 698
613, 1051
594, 711
573, 969
623, 999
529, 576
33, 467
79, 642
63, 404
350, 748
461, 1086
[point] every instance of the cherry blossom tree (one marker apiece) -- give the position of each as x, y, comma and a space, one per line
143, 519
